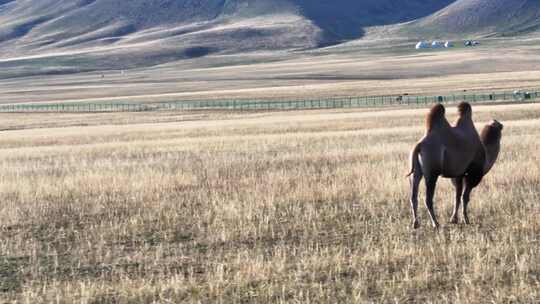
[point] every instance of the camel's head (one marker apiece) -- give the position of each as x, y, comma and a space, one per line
492, 132
495, 124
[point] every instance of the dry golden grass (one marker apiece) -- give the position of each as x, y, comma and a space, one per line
266, 207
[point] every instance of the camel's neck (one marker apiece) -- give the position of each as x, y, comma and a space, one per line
491, 139
492, 152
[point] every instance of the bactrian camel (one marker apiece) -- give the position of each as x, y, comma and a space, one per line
457, 152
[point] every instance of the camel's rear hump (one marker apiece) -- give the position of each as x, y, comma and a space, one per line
464, 109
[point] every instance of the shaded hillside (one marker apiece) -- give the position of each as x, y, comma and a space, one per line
345, 19
481, 17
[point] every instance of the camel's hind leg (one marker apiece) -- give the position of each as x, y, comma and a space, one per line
431, 182
458, 185
415, 183
466, 199
472, 180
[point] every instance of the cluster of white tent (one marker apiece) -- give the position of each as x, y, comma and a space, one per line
434, 45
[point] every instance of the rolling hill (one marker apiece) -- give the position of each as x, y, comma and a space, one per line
480, 18
45, 25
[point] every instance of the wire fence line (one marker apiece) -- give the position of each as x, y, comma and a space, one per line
245, 105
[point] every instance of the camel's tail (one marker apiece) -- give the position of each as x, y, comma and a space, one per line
414, 159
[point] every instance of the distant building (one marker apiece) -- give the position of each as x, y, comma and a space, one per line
471, 43
437, 44
422, 45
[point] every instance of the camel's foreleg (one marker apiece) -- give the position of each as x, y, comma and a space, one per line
431, 182
458, 185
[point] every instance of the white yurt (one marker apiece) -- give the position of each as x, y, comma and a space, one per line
422, 45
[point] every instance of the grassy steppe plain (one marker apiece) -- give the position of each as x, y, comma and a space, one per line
256, 207
359, 68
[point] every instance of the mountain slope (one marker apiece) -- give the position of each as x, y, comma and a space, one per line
346, 19
74, 35
34, 27
30, 27
187, 28
481, 17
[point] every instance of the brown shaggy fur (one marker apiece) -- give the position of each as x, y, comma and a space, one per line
490, 134
464, 108
435, 116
